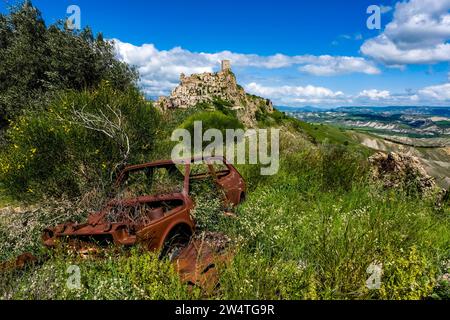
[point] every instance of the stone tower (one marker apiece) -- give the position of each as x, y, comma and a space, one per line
226, 65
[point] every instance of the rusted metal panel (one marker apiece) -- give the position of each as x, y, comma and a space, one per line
197, 263
19, 263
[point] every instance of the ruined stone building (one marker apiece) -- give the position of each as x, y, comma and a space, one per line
206, 87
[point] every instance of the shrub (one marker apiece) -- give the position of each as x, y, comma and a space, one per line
408, 276
212, 120
224, 106
78, 143
36, 61
332, 233
341, 167
209, 205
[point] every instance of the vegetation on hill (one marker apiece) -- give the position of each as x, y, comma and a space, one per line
77, 143
309, 232
37, 60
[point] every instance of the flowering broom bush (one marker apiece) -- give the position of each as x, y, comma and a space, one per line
78, 143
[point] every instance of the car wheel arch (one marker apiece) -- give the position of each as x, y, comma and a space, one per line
181, 228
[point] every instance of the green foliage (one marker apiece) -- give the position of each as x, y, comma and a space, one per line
328, 134
408, 276
209, 206
134, 275
257, 276
341, 167
309, 232
266, 119
36, 61
215, 120
224, 106
442, 290
172, 119
212, 120
325, 167
320, 219
334, 237
21, 231
54, 152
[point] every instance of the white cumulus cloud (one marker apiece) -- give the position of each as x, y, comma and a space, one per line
374, 94
160, 69
297, 95
320, 96
418, 34
329, 65
437, 92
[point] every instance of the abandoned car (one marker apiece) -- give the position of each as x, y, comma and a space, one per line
153, 205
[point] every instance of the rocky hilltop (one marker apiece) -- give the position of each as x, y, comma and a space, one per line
207, 87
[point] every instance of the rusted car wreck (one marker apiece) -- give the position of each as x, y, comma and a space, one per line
152, 206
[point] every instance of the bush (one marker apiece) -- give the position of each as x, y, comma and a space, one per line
341, 167
36, 61
298, 235
408, 276
225, 107
78, 143
21, 230
212, 120
209, 205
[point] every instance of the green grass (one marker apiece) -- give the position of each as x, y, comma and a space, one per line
328, 240
309, 232
5, 198
322, 133
443, 124
135, 275
399, 134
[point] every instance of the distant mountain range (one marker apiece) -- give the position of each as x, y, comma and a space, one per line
418, 110
301, 109
426, 122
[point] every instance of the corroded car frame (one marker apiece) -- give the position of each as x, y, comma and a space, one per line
163, 226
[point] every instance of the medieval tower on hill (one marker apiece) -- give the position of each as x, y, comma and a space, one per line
226, 65
208, 87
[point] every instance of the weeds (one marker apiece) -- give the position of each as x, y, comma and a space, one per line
309, 232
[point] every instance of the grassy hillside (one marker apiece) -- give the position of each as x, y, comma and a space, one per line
434, 157
309, 232
73, 117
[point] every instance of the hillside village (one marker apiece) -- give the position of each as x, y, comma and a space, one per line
207, 87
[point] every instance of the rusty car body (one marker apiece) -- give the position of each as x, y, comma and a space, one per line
154, 220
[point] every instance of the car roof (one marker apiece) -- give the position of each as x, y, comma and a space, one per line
163, 163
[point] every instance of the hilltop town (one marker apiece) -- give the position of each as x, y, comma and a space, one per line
207, 87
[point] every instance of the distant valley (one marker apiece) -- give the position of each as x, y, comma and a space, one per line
423, 132
413, 122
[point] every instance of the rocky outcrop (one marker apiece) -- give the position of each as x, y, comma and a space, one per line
401, 171
207, 87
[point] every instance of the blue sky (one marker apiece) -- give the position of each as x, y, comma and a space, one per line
295, 52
